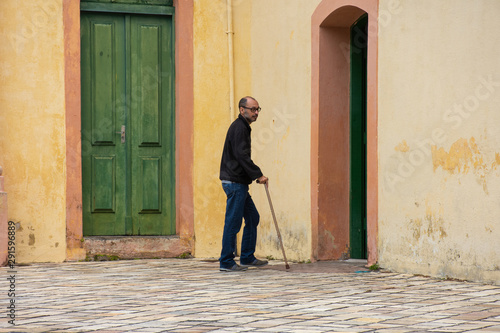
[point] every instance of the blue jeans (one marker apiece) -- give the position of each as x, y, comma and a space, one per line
239, 205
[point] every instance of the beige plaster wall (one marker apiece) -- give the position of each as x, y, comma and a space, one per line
32, 126
439, 143
281, 81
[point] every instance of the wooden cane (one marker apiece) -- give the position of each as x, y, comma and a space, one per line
276, 225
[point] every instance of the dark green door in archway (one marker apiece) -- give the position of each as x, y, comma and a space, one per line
127, 68
357, 230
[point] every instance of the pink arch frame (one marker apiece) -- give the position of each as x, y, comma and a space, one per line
330, 73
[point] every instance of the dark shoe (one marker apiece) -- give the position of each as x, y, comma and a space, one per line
255, 263
235, 268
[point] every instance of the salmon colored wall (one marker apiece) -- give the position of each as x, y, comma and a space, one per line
333, 145
184, 120
74, 235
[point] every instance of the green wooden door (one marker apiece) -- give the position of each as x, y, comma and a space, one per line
357, 230
127, 124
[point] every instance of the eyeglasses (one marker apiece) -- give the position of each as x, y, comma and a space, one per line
252, 109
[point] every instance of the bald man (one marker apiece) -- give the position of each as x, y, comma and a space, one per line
237, 172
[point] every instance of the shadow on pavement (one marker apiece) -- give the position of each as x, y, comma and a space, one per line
337, 266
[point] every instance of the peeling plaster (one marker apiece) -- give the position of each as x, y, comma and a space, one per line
402, 147
464, 157
31, 239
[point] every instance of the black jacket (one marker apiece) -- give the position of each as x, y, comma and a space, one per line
236, 164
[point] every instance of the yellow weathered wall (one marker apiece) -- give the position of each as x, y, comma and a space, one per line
211, 119
272, 63
32, 125
439, 143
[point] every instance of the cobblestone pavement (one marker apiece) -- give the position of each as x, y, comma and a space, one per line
192, 295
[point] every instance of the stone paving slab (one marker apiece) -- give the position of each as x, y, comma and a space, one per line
192, 295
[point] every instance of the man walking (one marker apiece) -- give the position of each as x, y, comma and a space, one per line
237, 171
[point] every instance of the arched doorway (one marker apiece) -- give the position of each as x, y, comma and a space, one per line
331, 131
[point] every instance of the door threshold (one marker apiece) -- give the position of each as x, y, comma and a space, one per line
137, 247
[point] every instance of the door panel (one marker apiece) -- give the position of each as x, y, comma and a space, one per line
153, 146
103, 154
151, 188
103, 184
127, 81
104, 38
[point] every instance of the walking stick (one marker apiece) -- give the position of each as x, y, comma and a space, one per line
276, 225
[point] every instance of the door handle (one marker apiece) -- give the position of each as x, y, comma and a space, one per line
122, 132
